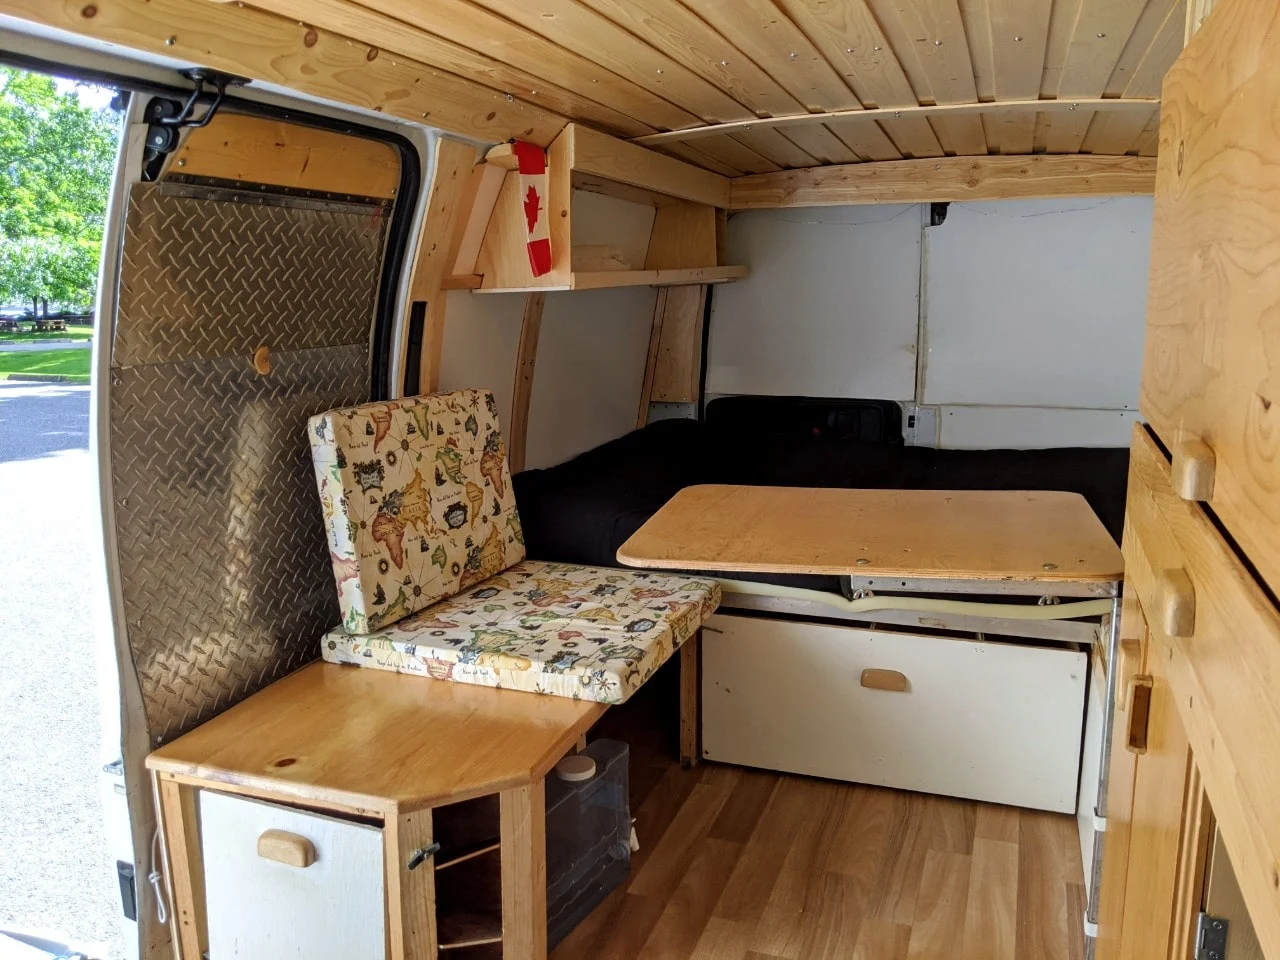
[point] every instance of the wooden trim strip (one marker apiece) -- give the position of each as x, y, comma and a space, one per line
1084, 105
294, 55
946, 179
651, 364
450, 174
522, 393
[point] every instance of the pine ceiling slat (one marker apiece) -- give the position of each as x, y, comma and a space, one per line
1117, 133
685, 151
869, 140
1019, 31
668, 25
1062, 26
914, 137
1149, 139
470, 26
395, 36
851, 40
725, 148
767, 36
772, 145
1145, 80
1103, 30
929, 39
575, 27
977, 28
821, 144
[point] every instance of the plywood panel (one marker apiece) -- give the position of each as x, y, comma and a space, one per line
1210, 367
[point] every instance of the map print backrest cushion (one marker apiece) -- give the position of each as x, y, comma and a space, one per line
417, 502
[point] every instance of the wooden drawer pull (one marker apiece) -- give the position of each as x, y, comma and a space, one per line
1193, 468
1176, 603
1130, 664
1139, 700
287, 848
884, 680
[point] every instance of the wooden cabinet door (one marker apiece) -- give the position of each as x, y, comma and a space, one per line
1211, 372
1147, 805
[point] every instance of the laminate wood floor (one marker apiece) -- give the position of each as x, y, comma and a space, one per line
739, 864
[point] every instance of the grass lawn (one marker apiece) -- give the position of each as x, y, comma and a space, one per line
73, 332
67, 363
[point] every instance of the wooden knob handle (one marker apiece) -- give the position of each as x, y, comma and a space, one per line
288, 848
1176, 603
1193, 468
890, 680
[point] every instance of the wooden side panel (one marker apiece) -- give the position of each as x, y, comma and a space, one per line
411, 893
260, 150
1225, 674
1212, 365
504, 256
683, 235
678, 362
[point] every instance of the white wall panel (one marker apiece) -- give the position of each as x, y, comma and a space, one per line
591, 356
830, 307
1037, 303
1025, 428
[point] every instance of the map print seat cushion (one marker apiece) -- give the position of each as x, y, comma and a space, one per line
590, 633
417, 502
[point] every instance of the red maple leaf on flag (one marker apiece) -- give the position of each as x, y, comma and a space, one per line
532, 202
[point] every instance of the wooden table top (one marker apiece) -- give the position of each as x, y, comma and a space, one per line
372, 741
962, 534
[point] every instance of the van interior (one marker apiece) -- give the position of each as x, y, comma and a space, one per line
755, 480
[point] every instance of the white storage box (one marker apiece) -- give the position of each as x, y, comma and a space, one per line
262, 908
983, 720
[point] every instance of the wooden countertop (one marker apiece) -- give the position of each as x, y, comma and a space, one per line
371, 741
967, 534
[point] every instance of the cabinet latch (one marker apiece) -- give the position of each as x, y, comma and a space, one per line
1211, 937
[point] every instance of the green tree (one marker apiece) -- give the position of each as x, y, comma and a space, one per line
56, 160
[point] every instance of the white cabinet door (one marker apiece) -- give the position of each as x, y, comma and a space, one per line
261, 909
977, 719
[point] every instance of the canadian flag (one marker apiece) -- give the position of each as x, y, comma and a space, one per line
533, 200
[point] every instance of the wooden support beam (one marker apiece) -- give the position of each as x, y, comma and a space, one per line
597, 154
411, 891
450, 172
478, 201
946, 179
522, 394
691, 702
180, 823
943, 111
523, 829
263, 46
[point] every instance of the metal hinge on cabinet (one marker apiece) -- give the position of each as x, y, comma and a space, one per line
1211, 937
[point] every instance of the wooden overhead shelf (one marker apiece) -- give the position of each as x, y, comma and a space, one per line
683, 246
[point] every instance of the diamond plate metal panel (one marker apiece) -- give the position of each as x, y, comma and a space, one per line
213, 273
225, 577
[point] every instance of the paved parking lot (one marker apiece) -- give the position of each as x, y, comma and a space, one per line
54, 869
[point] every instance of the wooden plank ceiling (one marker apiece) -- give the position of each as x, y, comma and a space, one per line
754, 86
736, 86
